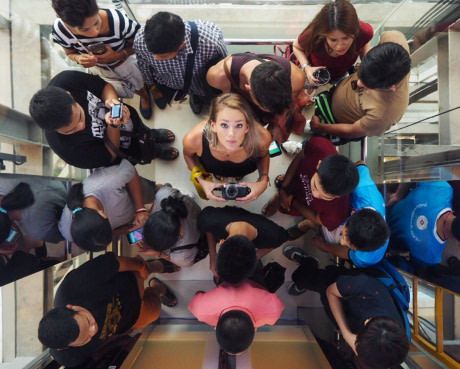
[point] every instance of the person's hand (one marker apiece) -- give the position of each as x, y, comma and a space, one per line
315, 124
257, 188
309, 74
109, 56
86, 60
285, 201
350, 339
208, 188
139, 220
125, 116
392, 199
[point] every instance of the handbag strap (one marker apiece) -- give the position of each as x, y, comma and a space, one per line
191, 57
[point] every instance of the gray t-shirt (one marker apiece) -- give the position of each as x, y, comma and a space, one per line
108, 185
39, 221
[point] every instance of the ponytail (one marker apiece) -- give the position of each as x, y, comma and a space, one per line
161, 231
21, 197
89, 230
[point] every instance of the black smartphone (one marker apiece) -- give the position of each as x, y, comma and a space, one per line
116, 111
97, 49
136, 235
274, 149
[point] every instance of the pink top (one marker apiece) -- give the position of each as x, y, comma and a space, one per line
262, 306
340, 65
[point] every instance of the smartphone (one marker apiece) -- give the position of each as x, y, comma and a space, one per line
13, 236
274, 149
116, 111
98, 48
136, 235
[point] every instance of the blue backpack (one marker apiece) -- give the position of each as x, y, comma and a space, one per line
398, 289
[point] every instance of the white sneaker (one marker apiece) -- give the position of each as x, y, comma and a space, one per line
292, 147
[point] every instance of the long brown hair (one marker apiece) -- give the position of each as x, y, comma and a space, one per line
336, 15
237, 102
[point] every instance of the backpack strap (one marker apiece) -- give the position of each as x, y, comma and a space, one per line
190, 57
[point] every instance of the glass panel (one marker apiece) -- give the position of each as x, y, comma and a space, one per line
452, 326
426, 312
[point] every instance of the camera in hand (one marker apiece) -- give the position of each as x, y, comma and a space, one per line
231, 191
98, 48
322, 75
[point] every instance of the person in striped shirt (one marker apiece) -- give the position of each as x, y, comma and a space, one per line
102, 41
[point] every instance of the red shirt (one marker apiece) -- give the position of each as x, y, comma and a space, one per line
262, 306
339, 66
331, 213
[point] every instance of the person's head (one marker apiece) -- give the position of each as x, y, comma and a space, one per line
384, 66
336, 28
381, 344
19, 198
270, 87
236, 259
235, 331
336, 176
63, 327
54, 109
81, 17
162, 229
365, 230
231, 124
164, 35
90, 228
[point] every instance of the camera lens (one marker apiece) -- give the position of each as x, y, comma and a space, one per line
231, 192
322, 75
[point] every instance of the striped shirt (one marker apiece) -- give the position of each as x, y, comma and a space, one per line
171, 73
121, 29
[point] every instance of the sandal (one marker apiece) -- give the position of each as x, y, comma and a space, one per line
162, 135
165, 152
168, 267
279, 181
168, 298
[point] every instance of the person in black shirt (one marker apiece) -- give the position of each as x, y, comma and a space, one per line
102, 298
223, 223
74, 111
361, 306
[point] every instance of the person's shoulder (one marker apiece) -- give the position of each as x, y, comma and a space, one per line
265, 137
320, 144
193, 139
209, 32
394, 36
67, 78
366, 32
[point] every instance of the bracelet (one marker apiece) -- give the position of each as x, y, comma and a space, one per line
141, 210
303, 66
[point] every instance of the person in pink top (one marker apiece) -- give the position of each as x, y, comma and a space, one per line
236, 309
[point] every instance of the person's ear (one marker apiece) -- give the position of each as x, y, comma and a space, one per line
319, 163
360, 84
247, 87
392, 88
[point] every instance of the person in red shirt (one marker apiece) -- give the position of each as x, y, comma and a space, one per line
316, 185
333, 40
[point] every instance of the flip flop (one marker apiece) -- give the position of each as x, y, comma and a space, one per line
169, 298
165, 152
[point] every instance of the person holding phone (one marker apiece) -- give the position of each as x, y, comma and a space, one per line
102, 41
229, 144
111, 198
334, 39
170, 232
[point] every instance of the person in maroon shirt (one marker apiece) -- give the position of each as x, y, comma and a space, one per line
333, 40
316, 185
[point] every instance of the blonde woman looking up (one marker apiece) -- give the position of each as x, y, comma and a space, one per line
229, 145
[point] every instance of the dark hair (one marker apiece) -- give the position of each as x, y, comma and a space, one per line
58, 328
51, 108
455, 228
89, 230
161, 231
271, 85
337, 15
367, 230
236, 259
164, 32
384, 65
74, 12
235, 331
20, 197
338, 175
381, 344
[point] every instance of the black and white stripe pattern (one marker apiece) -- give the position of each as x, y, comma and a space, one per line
121, 29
